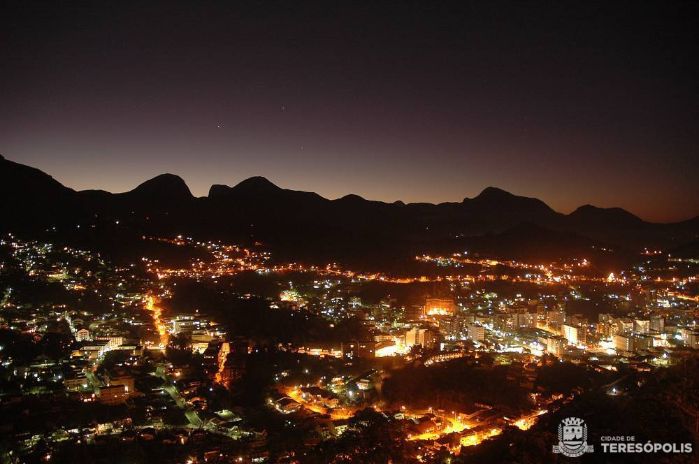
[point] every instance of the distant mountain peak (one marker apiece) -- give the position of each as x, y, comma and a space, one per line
256, 185
604, 215
498, 197
494, 192
258, 181
217, 190
586, 208
18, 177
352, 197
164, 186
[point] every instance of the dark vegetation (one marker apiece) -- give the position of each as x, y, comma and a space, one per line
454, 385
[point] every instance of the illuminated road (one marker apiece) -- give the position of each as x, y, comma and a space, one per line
151, 305
93, 381
169, 388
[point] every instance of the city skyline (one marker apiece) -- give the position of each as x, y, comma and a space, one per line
315, 232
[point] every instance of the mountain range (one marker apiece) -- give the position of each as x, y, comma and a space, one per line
300, 225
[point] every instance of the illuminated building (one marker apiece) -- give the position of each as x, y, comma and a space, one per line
627, 343
201, 336
642, 342
183, 323
502, 322
439, 307
365, 349
365, 384
75, 383
476, 332
414, 313
556, 345
577, 320
604, 329
483, 319
657, 324
287, 405
692, 340
123, 379
574, 334
455, 326
690, 337
113, 394
93, 349
622, 326
641, 326
523, 319
555, 317
112, 342
426, 338
321, 350
82, 335
199, 347
623, 343
388, 348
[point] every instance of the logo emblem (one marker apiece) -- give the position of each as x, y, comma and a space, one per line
572, 438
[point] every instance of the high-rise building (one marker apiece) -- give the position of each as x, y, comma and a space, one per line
604, 329
628, 343
476, 332
623, 343
419, 336
556, 345
522, 320
570, 333
657, 324
690, 337
622, 326
642, 343
555, 317
641, 326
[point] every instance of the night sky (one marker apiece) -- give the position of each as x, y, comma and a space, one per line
572, 103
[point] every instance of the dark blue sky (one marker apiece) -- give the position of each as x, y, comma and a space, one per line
419, 101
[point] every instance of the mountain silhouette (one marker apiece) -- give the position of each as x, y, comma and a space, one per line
163, 187
296, 224
592, 215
